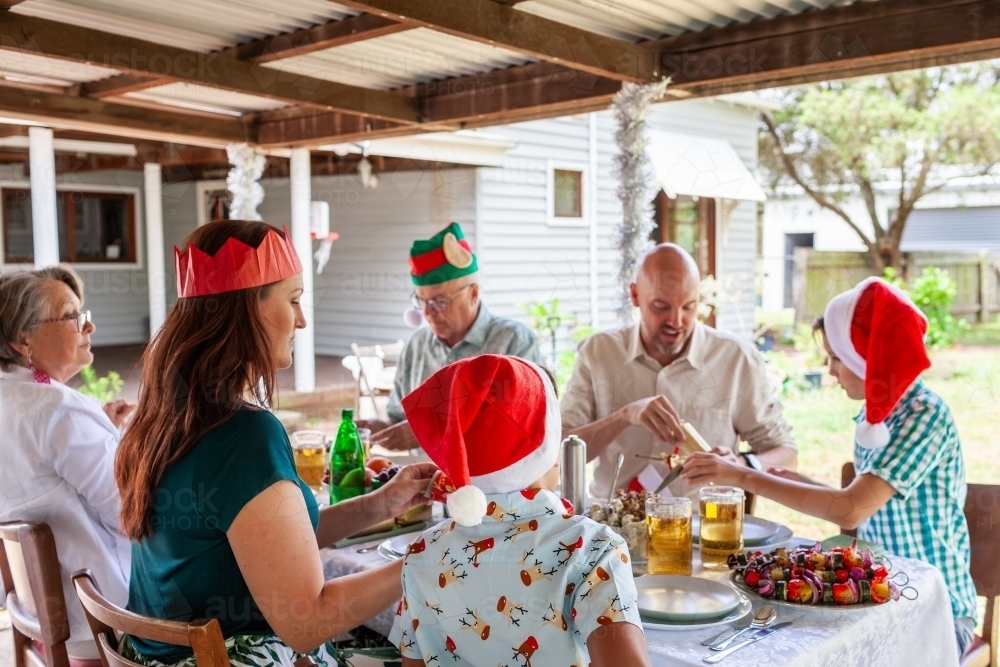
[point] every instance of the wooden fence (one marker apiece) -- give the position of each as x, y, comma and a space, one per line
820, 275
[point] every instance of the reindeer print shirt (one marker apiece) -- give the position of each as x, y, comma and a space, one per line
523, 589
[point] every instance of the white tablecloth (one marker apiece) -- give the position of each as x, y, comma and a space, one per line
907, 633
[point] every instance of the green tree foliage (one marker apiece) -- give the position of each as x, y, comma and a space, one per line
933, 292
104, 388
905, 135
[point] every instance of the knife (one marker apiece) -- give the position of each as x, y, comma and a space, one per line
760, 634
671, 476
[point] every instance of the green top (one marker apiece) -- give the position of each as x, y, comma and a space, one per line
186, 569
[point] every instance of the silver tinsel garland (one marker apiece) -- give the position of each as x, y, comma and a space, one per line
631, 237
243, 181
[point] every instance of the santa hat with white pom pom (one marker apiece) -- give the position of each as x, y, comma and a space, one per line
491, 423
878, 334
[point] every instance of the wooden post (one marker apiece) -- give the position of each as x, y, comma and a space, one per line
155, 265
984, 287
44, 219
304, 344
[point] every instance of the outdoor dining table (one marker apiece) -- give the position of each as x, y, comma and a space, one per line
908, 633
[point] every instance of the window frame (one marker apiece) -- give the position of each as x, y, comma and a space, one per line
203, 189
89, 188
552, 220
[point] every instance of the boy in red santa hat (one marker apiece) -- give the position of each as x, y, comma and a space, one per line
514, 574
909, 492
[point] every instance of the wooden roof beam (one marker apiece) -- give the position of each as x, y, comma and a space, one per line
500, 25
121, 84
318, 38
219, 70
120, 120
841, 42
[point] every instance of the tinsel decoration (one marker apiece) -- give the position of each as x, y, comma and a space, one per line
631, 236
243, 181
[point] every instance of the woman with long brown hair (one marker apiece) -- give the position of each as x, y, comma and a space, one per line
222, 526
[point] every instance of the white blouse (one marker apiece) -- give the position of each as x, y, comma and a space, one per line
58, 449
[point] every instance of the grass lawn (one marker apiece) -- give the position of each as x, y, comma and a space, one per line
966, 376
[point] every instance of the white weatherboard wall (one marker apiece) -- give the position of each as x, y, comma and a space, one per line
364, 289
523, 259
116, 296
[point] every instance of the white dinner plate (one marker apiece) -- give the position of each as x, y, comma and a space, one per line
756, 531
744, 608
674, 598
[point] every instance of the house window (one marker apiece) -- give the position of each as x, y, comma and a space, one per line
93, 227
567, 190
567, 194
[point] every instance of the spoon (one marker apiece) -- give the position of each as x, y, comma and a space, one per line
764, 617
741, 623
364, 550
619, 462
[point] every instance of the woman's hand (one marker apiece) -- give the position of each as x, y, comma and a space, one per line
406, 489
118, 410
705, 467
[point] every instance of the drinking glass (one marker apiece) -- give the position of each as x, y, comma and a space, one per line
309, 450
721, 533
668, 532
366, 441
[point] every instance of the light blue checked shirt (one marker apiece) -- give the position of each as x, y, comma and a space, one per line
425, 353
525, 587
925, 518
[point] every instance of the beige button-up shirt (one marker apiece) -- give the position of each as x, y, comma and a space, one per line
719, 385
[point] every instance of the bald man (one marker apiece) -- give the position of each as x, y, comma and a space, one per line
632, 387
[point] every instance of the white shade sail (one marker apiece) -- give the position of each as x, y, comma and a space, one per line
699, 166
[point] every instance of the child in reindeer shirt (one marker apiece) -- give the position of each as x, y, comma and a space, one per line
514, 578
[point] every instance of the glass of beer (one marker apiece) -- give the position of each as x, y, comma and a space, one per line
668, 535
366, 441
309, 449
721, 533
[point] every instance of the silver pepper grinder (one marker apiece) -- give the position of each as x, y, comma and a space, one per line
573, 472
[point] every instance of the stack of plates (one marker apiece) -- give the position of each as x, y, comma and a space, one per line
395, 547
670, 602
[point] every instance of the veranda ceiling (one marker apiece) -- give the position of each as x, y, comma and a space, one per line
311, 72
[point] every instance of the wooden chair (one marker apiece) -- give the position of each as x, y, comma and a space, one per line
982, 513
108, 622
29, 567
203, 637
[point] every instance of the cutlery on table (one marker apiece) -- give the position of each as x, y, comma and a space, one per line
364, 550
619, 462
764, 617
738, 625
756, 637
671, 476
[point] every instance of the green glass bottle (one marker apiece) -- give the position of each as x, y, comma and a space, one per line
347, 461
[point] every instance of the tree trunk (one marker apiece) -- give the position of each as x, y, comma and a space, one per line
878, 262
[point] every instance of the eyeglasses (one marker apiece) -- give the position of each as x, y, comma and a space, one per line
437, 304
81, 319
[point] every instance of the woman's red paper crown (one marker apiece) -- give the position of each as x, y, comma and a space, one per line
236, 266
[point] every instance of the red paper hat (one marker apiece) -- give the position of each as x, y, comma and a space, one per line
236, 265
878, 333
491, 423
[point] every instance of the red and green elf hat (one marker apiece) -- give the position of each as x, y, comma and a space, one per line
443, 257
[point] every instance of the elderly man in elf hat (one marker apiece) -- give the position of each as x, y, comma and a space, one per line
446, 295
909, 493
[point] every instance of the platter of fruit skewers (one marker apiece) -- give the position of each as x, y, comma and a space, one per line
839, 579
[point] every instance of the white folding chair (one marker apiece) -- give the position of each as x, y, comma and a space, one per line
368, 369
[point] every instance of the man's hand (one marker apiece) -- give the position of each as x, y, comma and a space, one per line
704, 467
398, 437
658, 416
729, 455
373, 425
118, 410
406, 489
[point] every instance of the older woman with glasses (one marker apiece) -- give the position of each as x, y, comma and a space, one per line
59, 445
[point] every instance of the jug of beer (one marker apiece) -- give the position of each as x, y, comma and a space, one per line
347, 461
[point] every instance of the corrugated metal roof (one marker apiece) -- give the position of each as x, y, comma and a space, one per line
205, 98
199, 25
30, 68
406, 58
636, 20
